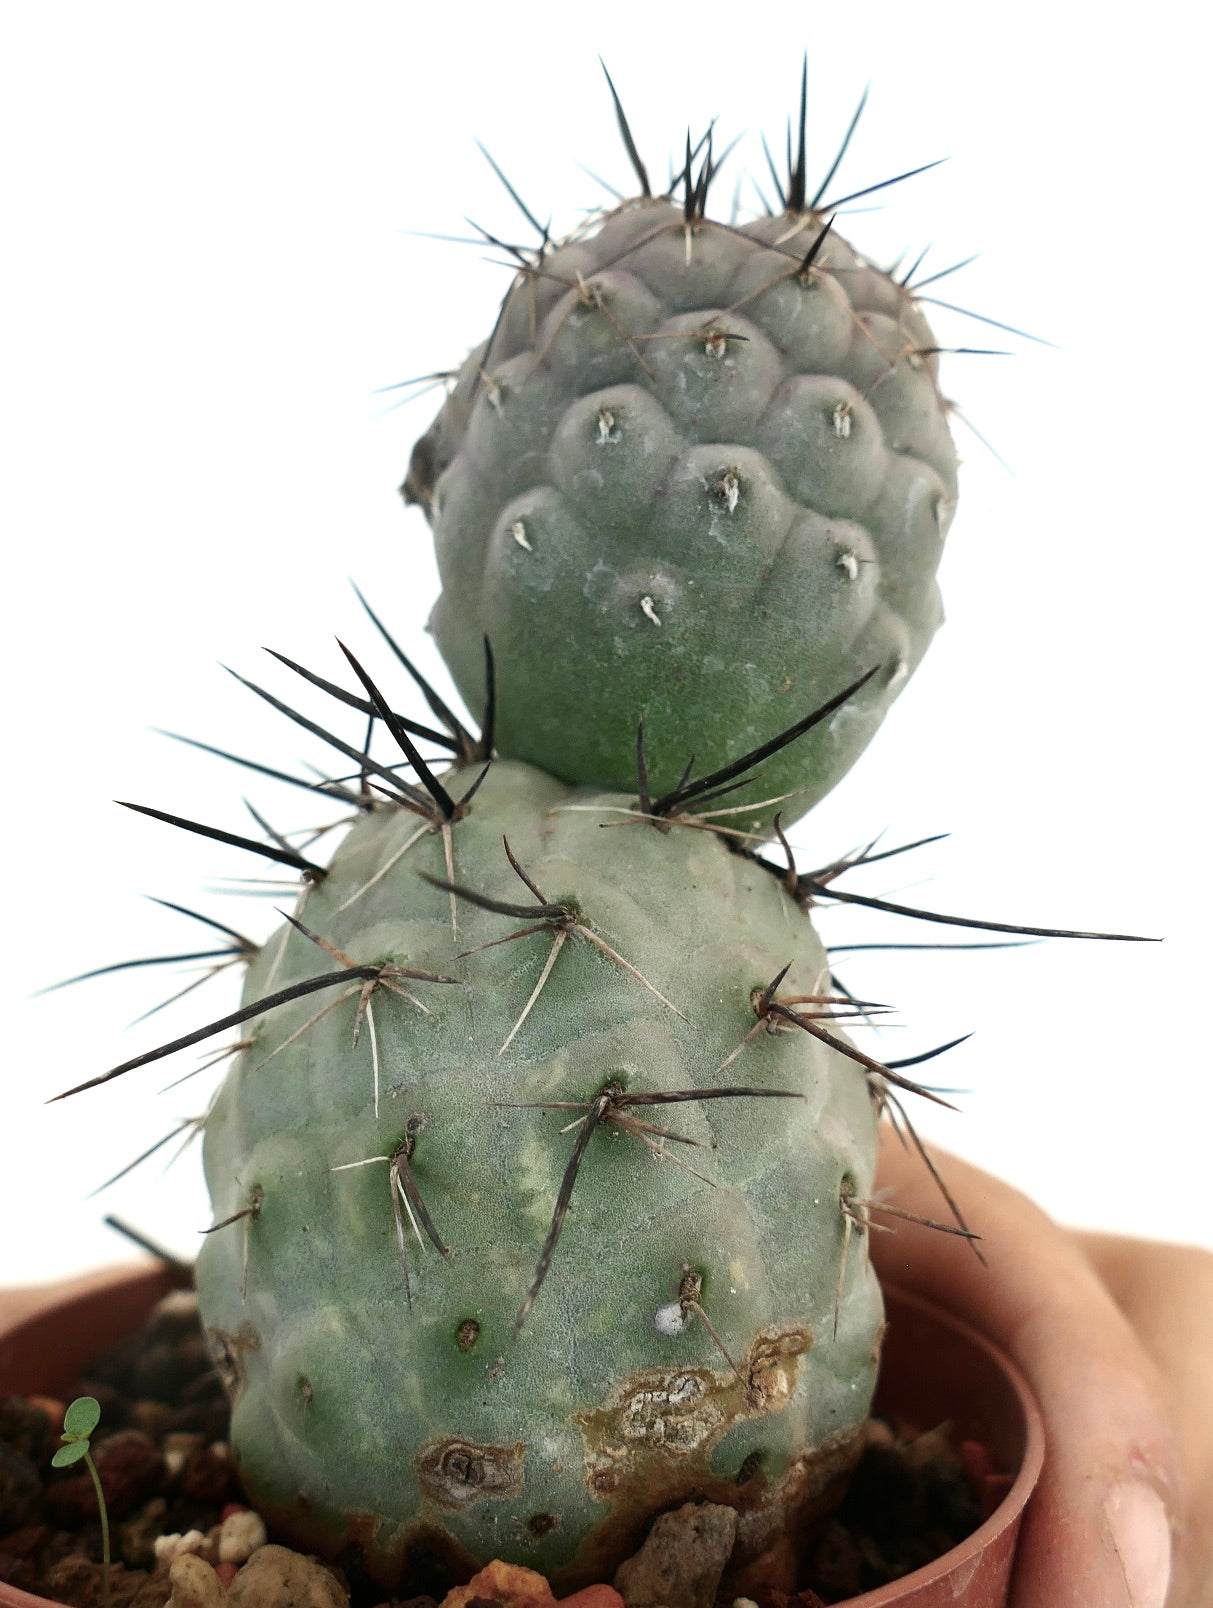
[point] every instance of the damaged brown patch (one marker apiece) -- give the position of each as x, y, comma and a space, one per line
674, 1409
770, 1367
687, 1410
455, 1472
771, 1511
648, 1448
228, 1352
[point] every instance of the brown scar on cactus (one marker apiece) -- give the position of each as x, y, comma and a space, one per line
228, 1351
561, 920
453, 1472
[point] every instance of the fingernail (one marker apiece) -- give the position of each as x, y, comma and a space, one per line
1141, 1535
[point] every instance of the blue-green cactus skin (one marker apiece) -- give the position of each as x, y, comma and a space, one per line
386, 1396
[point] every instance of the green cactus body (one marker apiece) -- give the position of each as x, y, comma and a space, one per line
713, 463
421, 1423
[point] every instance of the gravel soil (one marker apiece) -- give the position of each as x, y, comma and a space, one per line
161, 1453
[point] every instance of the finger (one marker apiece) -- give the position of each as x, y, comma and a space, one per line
1097, 1530
1166, 1293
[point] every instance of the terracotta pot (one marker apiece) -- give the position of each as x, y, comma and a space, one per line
935, 1370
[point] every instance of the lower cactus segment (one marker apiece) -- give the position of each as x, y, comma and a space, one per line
501, 1269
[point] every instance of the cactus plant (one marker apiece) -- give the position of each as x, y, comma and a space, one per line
542, 1169
717, 459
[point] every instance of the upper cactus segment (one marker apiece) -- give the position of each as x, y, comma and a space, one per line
700, 473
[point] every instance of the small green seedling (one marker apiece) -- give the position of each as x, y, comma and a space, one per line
79, 1422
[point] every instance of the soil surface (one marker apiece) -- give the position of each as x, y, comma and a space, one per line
161, 1454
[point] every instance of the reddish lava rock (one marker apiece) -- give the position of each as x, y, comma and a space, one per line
509, 1585
130, 1468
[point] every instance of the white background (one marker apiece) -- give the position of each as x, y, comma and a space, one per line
208, 273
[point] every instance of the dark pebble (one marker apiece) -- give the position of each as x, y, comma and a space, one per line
113, 1367
184, 1515
218, 1424
152, 1417
189, 1420
26, 1542
20, 1572
77, 1582
27, 1428
160, 1372
20, 1490
138, 1535
206, 1478
952, 1501
130, 1469
194, 1352
887, 1492
835, 1563
74, 1581
206, 1386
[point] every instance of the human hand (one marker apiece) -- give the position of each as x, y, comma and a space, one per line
1114, 1336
